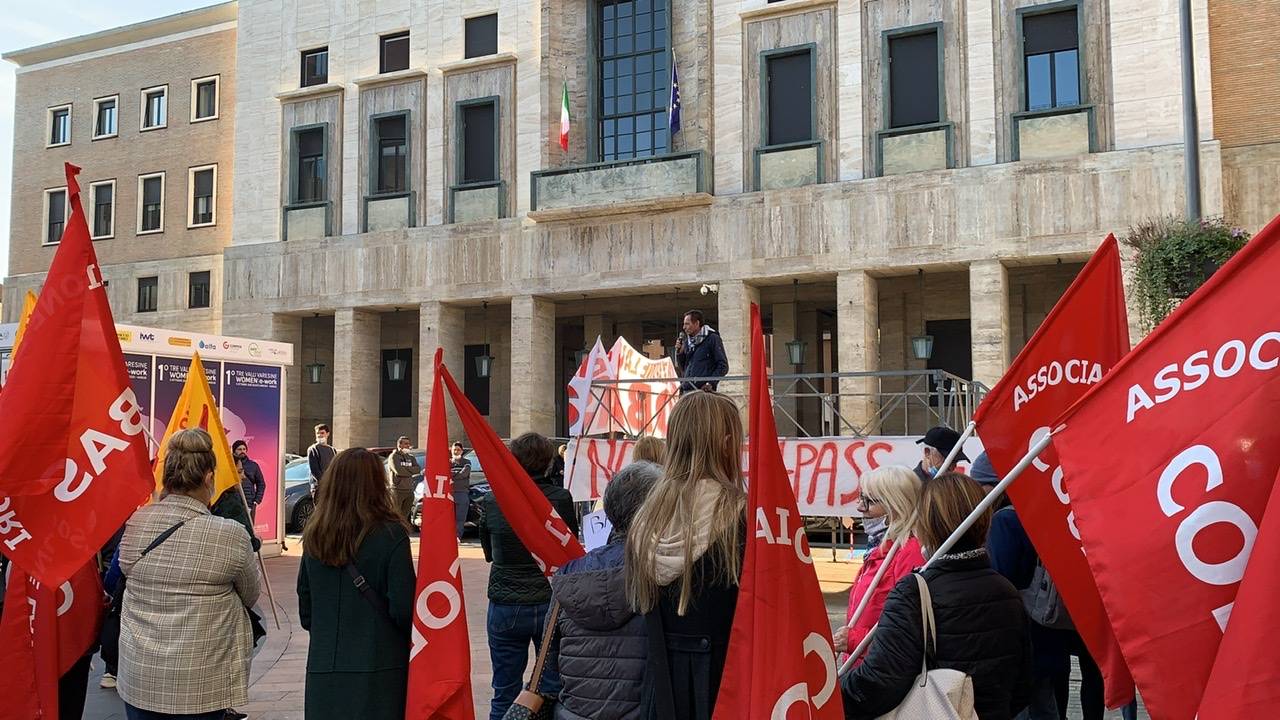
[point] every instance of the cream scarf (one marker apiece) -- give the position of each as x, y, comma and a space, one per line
669, 563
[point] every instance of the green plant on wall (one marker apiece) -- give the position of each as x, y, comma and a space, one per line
1173, 258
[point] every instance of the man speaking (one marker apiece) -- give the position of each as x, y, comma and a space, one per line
700, 354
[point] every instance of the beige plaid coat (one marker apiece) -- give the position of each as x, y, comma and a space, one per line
185, 640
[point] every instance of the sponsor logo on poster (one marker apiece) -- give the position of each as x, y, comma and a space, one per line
124, 335
180, 342
254, 350
147, 337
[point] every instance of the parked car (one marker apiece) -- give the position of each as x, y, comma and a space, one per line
298, 503
479, 488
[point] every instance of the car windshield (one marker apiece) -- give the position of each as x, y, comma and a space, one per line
475, 461
296, 472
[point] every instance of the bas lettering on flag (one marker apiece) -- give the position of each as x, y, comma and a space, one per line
1169, 462
73, 462
1083, 337
780, 653
440, 656
196, 408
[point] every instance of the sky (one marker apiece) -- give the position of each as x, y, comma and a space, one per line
30, 23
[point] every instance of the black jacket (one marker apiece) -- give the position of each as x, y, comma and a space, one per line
515, 578
982, 632
461, 471
318, 458
254, 485
705, 359
601, 644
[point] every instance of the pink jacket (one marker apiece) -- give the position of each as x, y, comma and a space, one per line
907, 559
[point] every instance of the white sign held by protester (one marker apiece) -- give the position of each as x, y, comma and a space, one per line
595, 530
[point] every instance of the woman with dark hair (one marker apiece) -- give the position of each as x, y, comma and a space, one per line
355, 594
981, 625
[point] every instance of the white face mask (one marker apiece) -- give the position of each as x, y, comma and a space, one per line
875, 526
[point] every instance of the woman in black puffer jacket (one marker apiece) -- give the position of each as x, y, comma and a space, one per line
981, 624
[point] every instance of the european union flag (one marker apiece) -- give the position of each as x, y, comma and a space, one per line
673, 107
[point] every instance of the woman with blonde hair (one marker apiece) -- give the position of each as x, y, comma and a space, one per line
892, 492
684, 555
650, 449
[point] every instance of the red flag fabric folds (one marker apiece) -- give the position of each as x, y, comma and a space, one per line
1169, 462
440, 657
73, 463
780, 654
1082, 338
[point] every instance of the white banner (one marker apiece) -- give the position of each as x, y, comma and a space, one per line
825, 472
631, 408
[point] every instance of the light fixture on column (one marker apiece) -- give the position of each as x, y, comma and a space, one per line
484, 361
796, 347
922, 345
315, 369
396, 366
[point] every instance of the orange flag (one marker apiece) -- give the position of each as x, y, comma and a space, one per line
196, 408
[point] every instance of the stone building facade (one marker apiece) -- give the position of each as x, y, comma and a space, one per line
867, 170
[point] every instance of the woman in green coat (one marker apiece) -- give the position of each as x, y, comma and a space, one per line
358, 662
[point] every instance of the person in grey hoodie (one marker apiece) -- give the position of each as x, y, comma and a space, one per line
601, 646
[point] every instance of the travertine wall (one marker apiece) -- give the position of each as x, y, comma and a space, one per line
382, 98
493, 81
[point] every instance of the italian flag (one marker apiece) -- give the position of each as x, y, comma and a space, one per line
564, 118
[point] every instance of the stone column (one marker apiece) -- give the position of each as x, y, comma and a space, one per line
784, 331
857, 350
735, 330
633, 332
439, 325
989, 320
594, 326
533, 365
357, 376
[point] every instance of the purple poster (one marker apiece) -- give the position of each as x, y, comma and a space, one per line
139, 368
251, 398
171, 375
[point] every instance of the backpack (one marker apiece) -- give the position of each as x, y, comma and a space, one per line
1043, 603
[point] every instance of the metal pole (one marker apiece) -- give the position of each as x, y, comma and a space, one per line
1190, 122
955, 451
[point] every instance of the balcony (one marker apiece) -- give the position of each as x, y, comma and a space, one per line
390, 211
788, 166
914, 149
477, 201
306, 221
667, 181
1054, 134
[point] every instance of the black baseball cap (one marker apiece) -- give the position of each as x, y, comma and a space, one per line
942, 439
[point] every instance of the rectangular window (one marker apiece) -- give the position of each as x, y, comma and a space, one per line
397, 395
198, 290
635, 80
55, 215
148, 294
1051, 56
59, 126
204, 98
309, 166
104, 117
103, 196
155, 112
481, 36
151, 203
315, 67
914, 80
394, 52
476, 388
391, 142
479, 161
790, 102
202, 203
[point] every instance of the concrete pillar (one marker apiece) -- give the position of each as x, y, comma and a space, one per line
784, 331
989, 320
533, 365
594, 326
735, 301
633, 332
439, 325
857, 350
357, 377
277, 328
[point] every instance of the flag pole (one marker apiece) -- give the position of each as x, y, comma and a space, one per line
875, 583
959, 532
262, 566
955, 451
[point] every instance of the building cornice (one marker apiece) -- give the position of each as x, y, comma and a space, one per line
790, 7
309, 92
391, 77
478, 63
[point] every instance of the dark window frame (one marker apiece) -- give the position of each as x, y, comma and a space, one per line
197, 294
477, 389
375, 154
142, 203
193, 172
1081, 61
468, 51
93, 201
460, 148
295, 160
97, 115
152, 283
305, 80
54, 113
395, 397
196, 84
383, 65
48, 232
938, 30
595, 128
810, 49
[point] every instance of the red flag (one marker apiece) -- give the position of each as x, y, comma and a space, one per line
780, 652
1245, 681
44, 631
537, 524
1169, 463
1082, 338
440, 659
65, 488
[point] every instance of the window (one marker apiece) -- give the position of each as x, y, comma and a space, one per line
476, 388
481, 36
479, 142
59, 126
391, 145
634, 79
789, 107
1051, 57
204, 98
309, 165
914, 79
55, 215
315, 67
394, 52
155, 111
151, 203
148, 294
198, 290
202, 201
103, 196
104, 117
397, 395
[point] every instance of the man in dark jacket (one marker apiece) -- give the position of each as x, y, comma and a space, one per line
404, 471
319, 456
700, 353
460, 469
601, 645
253, 484
519, 594
937, 443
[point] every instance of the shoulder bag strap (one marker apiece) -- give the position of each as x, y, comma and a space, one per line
548, 634
379, 603
927, 623
161, 538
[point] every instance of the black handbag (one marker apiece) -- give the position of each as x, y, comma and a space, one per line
531, 704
